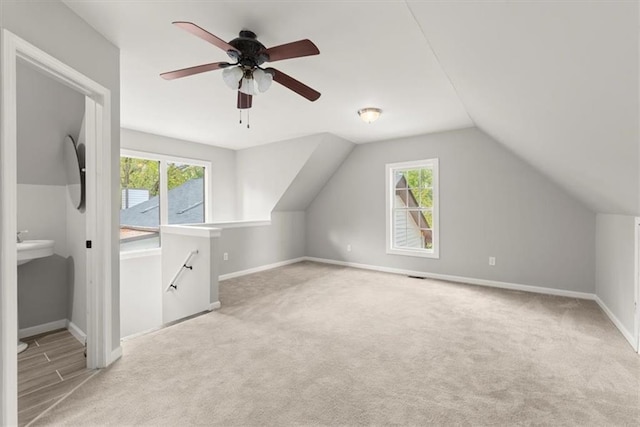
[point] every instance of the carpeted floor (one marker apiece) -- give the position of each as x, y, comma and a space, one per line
312, 344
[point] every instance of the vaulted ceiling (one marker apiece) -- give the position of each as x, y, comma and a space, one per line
554, 82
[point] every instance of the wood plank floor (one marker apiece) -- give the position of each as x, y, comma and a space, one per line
52, 366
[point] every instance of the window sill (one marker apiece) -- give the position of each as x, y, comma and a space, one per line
237, 224
416, 253
140, 253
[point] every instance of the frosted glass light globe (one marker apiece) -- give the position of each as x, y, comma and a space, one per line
263, 79
232, 76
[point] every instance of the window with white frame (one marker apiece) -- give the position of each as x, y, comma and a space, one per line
412, 208
158, 190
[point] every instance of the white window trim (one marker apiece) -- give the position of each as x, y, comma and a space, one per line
390, 195
164, 159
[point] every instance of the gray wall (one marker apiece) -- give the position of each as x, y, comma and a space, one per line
43, 291
250, 247
48, 111
265, 172
491, 204
54, 28
316, 171
43, 284
223, 163
615, 252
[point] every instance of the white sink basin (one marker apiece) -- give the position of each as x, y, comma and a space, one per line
32, 249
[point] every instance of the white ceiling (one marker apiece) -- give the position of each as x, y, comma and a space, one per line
371, 54
556, 82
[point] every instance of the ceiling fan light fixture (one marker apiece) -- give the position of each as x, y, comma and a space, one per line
232, 76
263, 79
248, 86
245, 76
369, 115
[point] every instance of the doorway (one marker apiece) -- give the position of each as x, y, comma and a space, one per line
97, 132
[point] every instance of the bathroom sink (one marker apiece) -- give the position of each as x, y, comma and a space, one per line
32, 249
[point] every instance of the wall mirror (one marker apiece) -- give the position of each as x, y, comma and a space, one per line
75, 181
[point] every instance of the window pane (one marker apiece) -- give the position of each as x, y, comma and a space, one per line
413, 177
414, 197
186, 193
406, 229
427, 236
401, 198
399, 180
399, 227
139, 204
413, 230
426, 218
426, 177
426, 198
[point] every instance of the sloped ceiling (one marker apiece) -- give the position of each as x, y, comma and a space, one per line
555, 82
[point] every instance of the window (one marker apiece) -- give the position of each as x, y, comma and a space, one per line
158, 190
412, 208
186, 193
140, 203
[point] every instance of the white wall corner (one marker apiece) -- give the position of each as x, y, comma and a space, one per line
214, 306
618, 324
76, 332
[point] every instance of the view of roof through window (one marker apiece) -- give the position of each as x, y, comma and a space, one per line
141, 205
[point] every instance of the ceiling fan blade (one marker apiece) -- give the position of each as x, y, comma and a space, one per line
244, 101
193, 70
293, 84
292, 50
205, 35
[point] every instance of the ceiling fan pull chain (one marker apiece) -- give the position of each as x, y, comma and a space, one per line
240, 111
247, 119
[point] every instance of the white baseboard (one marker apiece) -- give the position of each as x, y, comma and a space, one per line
460, 279
141, 333
115, 355
40, 329
76, 332
258, 269
214, 306
625, 333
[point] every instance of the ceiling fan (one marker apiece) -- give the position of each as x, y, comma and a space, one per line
246, 75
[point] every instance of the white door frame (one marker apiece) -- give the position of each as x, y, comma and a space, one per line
636, 296
98, 208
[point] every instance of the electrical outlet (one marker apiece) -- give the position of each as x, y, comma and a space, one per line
349, 248
225, 256
492, 260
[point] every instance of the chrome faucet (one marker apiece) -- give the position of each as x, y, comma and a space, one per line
19, 235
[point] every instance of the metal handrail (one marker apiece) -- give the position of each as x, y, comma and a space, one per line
181, 269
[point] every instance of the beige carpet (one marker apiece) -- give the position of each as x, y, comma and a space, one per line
313, 344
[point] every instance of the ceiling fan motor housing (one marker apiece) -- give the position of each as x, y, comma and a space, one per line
251, 50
